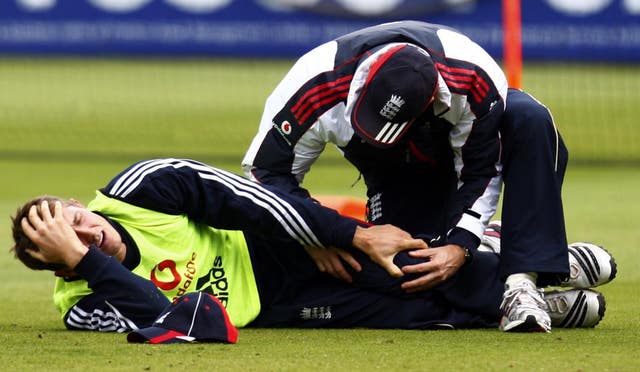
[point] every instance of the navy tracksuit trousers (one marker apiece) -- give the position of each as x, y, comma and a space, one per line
294, 293
534, 160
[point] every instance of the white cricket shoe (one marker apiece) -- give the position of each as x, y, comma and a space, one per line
589, 266
524, 309
575, 308
490, 241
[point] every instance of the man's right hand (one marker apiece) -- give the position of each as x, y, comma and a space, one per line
57, 242
441, 263
330, 261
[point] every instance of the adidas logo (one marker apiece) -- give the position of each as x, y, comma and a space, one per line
392, 106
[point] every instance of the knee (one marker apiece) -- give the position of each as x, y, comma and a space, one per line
529, 123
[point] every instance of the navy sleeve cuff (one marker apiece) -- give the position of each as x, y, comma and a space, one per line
463, 238
91, 265
343, 233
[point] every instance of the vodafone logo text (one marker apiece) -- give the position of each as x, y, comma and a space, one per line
169, 267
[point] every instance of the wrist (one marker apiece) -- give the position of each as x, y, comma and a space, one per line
359, 237
75, 255
467, 255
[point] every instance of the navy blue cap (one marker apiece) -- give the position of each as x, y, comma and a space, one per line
194, 317
399, 87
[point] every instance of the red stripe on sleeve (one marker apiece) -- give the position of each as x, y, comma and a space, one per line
337, 89
319, 104
320, 87
475, 84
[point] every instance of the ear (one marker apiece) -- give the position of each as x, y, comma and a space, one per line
65, 273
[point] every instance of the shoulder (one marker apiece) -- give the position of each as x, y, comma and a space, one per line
143, 172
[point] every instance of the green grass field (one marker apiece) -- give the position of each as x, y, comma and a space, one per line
69, 125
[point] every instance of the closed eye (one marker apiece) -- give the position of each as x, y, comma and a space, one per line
77, 219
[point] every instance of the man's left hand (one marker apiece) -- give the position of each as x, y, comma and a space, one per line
442, 263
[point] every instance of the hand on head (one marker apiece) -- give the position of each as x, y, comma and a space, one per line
56, 240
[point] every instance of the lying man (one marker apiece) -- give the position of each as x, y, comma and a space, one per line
167, 227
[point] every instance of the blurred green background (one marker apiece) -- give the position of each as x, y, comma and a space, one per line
105, 109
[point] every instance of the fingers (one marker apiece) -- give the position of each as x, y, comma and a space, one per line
45, 211
321, 266
26, 225
338, 271
428, 268
338, 268
38, 221
436, 270
332, 265
423, 267
57, 210
423, 253
391, 268
328, 261
413, 244
28, 228
420, 284
35, 254
33, 217
348, 258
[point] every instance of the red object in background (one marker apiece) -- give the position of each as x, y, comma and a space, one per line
512, 42
345, 205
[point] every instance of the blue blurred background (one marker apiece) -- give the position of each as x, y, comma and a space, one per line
594, 30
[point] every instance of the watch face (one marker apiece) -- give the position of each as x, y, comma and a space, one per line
467, 255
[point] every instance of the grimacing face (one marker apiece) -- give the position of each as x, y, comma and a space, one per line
92, 228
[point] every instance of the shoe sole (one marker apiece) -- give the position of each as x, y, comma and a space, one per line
530, 324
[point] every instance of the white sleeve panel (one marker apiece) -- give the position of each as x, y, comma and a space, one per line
486, 205
461, 117
460, 47
330, 128
100, 320
309, 65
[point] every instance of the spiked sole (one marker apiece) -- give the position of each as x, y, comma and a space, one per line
529, 324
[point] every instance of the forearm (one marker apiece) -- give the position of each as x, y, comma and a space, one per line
476, 157
120, 300
224, 200
286, 182
470, 223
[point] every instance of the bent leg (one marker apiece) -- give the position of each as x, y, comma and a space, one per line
476, 287
288, 282
534, 158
